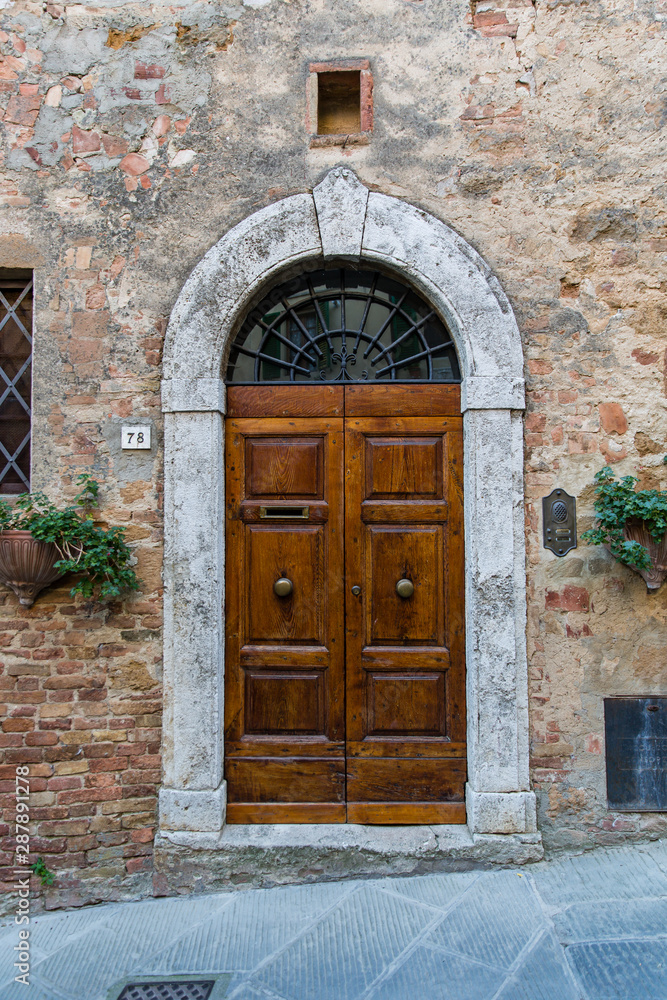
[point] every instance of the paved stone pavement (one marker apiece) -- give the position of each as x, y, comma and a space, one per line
590, 927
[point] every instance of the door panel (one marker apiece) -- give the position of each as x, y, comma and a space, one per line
370, 780
405, 672
288, 401
399, 553
291, 552
284, 812
411, 469
340, 706
285, 702
401, 813
284, 683
382, 400
289, 780
406, 704
277, 469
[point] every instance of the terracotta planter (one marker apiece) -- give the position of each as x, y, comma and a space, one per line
26, 565
636, 531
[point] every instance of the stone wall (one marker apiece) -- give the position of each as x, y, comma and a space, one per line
134, 136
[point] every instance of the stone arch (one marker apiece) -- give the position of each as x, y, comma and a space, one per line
342, 220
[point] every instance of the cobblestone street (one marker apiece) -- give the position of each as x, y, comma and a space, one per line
591, 927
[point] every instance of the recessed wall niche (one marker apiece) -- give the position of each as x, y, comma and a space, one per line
340, 103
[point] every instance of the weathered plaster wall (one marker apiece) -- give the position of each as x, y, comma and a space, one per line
135, 135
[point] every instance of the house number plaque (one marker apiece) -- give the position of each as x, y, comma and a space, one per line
137, 438
559, 520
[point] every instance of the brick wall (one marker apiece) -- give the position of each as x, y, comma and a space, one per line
81, 706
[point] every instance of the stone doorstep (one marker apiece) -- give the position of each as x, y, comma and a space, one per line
260, 856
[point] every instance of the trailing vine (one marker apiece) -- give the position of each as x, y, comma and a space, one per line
101, 556
617, 502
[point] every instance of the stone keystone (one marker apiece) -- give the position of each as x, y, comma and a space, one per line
340, 203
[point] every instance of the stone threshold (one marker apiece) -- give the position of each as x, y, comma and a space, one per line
261, 856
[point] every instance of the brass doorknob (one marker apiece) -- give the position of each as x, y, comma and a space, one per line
356, 590
405, 588
283, 587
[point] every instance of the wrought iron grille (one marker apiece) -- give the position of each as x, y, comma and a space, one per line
343, 325
168, 990
15, 379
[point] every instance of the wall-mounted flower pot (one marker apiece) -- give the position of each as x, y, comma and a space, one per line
636, 531
26, 564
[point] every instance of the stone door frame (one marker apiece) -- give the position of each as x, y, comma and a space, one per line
343, 220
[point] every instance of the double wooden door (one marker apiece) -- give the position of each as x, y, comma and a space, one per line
345, 671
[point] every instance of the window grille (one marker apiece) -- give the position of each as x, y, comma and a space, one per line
15, 379
343, 325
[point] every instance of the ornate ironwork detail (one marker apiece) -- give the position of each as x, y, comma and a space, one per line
344, 359
343, 325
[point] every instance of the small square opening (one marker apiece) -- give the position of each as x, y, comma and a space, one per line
339, 102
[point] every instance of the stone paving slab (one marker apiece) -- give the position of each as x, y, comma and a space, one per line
437, 890
622, 873
343, 954
440, 976
592, 927
493, 921
620, 970
255, 926
606, 920
540, 973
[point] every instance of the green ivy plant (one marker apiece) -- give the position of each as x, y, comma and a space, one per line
101, 556
617, 501
46, 876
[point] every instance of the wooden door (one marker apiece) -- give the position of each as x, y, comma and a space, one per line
405, 676
293, 753
284, 675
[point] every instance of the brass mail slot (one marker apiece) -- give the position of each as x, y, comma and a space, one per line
296, 513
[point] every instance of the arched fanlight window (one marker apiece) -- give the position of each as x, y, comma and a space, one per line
343, 325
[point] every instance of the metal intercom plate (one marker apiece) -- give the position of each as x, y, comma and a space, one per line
559, 520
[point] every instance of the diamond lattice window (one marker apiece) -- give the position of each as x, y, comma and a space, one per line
15, 379
344, 325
